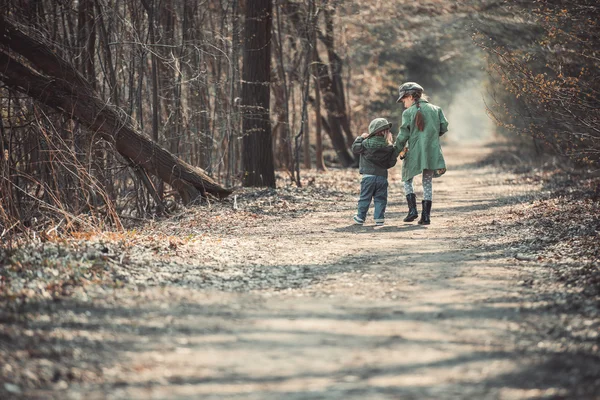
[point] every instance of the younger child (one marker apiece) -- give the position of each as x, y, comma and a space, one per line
377, 155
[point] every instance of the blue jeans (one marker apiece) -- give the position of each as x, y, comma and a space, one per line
376, 188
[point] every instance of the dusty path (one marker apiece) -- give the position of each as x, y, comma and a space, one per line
315, 308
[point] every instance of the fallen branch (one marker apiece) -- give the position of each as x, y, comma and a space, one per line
53, 81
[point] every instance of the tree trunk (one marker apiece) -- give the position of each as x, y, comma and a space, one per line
335, 68
285, 153
257, 155
154, 72
280, 131
61, 87
320, 162
232, 120
307, 163
337, 120
334, 113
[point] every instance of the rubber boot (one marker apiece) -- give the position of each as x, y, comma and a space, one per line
413, 214
425, 213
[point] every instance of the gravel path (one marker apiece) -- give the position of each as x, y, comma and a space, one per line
308, 306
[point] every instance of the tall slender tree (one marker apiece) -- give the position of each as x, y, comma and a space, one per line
257, 154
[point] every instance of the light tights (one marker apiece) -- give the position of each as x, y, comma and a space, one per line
427, 185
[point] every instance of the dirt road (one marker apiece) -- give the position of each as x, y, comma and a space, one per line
313, 307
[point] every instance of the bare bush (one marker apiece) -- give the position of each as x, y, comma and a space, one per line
550, 89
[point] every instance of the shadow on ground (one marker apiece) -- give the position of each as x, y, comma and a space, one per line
72, 336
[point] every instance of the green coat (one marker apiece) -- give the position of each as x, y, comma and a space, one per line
424, 150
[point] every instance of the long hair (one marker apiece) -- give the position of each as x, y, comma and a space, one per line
419, 120
387, 135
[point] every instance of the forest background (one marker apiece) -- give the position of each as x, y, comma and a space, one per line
172, 71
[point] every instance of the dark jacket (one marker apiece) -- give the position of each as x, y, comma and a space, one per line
376, 155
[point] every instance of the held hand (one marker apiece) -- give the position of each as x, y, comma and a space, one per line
403, 153
364, 135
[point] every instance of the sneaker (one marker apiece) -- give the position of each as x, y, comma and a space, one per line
379, 223
357, 220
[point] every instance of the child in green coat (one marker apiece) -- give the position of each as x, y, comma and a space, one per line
377, 155
422, 125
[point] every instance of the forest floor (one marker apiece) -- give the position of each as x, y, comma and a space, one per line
274, 294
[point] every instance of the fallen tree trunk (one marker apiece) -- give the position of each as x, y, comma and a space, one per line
54, 82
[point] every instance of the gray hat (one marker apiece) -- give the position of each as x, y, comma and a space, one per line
408, 88
378, 125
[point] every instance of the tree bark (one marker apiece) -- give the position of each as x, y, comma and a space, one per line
335, 114
257, 155
60, 86
282, 100
307, 161
337, 120
154, 72
335, 68
320, 162
280, 131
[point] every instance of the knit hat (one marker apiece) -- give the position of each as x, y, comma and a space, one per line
408, 88
378, 125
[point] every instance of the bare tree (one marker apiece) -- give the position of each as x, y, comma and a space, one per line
56, 83
329, 83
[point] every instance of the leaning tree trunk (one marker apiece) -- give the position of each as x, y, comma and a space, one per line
54, 82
